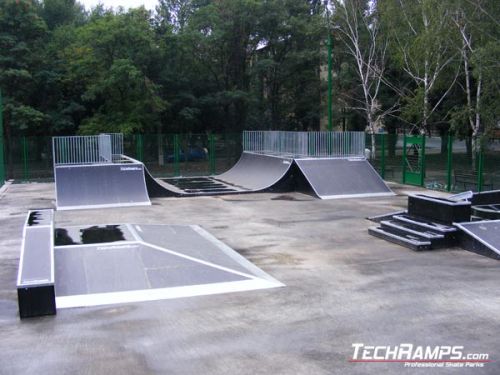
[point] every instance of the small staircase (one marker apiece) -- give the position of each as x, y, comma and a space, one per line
427, 225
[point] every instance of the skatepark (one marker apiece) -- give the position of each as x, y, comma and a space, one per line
342, 287
210, 275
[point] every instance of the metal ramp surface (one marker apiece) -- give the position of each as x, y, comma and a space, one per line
482, 237
332, 178
253, 172
100, 185
107, 264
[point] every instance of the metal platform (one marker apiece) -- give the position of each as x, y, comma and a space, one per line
135, 263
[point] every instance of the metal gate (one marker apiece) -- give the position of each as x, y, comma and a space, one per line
414, 160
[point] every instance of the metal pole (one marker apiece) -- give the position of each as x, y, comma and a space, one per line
422, 163
404, 158
382, 156
330, 48
2, 161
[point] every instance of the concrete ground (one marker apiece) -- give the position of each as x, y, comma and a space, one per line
342, 287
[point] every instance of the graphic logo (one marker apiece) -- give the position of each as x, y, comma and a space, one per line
130, 168
418, 355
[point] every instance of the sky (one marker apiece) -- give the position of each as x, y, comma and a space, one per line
149, 4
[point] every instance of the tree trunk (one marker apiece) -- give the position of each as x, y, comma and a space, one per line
371, 127
474, 150
425, 112
468, 146
374, 146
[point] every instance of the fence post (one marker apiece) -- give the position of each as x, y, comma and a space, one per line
2, 161
449, 162
382, 155
480, 162
25, 159
211, 153
422, 164
404, 158
177, 171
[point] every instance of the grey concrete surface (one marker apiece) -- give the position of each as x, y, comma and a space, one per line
343, 287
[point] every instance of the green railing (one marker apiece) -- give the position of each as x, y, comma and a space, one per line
447, 159
168, 155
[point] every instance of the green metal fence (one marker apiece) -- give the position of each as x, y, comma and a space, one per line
166, 155
447, 162
447, 159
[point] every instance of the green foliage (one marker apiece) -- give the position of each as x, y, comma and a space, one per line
22, 33
228, 65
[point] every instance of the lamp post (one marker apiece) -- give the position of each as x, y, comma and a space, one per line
330, 48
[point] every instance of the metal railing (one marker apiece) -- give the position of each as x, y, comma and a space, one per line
104, 146
305, 144
83, 149
87, 149
116, 143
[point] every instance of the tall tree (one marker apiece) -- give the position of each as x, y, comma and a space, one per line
22, 33
113, 57
422, 47
358, 26
285, 70
477, 24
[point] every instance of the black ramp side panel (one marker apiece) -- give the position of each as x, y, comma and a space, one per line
256, 171
103, 185
342, 178
155, 189
482, 237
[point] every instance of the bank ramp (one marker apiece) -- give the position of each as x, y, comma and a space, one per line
332, 178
